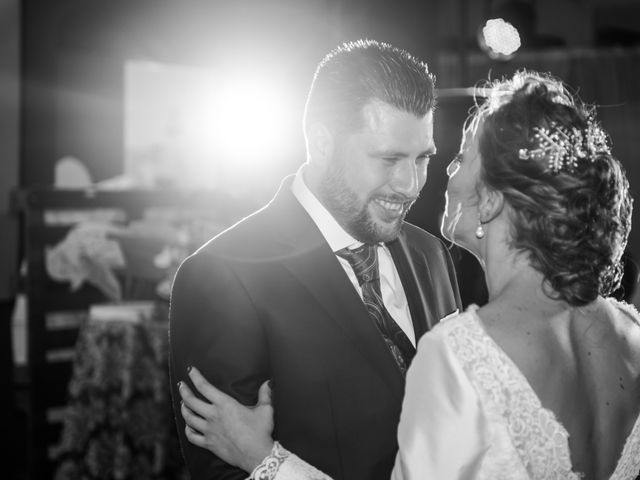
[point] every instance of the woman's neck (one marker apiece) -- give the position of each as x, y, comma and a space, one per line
502, 272
511, 279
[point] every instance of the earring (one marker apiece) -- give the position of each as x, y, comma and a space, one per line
479, 230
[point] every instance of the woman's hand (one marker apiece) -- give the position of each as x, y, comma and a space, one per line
239, 435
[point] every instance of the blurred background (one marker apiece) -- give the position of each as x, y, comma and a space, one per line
133, 130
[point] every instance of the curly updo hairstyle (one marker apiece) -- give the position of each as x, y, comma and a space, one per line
573, 224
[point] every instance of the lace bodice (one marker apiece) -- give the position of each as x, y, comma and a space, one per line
539, 440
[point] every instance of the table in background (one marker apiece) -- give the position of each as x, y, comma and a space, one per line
119, 422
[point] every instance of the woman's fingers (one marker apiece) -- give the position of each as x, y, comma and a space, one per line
195, 421
238, 434
200, 407
194, 437
209, 392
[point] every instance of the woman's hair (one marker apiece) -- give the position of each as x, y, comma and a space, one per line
569, 197
358, 72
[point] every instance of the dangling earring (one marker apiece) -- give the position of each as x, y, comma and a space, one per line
479, 230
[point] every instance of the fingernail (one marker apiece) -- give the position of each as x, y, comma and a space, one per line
179, 385
189, 369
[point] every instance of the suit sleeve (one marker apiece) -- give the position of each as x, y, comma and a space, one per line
214, 326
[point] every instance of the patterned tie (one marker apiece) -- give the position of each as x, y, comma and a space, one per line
364, 261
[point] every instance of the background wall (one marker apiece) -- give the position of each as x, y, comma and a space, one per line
9, 161
73, 54
9, 128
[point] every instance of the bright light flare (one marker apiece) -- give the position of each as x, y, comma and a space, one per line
499, 38
243, 119
221, 128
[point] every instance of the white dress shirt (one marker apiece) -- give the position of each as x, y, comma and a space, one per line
392, 292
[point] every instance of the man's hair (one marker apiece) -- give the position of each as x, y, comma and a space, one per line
359, 72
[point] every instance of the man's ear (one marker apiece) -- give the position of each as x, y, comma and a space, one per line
320, 144
491, 204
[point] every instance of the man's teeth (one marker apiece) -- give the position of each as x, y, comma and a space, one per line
393, 206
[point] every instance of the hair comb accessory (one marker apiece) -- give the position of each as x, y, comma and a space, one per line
565, 147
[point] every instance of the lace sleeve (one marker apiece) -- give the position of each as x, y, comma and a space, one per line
281, 464
443, 429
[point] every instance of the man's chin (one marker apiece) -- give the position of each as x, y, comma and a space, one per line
388, 231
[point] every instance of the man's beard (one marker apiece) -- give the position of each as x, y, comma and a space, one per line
344, 205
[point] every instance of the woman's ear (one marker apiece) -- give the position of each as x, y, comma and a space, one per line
320, 144
491, 204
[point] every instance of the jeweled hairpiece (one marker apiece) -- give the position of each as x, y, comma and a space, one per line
565, 147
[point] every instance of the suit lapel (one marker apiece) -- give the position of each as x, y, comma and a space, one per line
416, 281
317, 269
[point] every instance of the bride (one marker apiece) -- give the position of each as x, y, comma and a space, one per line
544, 380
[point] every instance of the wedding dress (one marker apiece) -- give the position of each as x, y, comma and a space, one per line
483, 420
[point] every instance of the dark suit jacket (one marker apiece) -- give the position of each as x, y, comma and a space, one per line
267, 299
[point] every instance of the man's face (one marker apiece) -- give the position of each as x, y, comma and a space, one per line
377, 172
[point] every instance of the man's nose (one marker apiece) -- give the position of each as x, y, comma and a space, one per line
408, 178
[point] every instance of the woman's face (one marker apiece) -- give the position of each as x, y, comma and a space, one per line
460, 218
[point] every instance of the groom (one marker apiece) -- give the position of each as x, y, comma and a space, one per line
326, 290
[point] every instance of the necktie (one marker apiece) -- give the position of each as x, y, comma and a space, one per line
364, 261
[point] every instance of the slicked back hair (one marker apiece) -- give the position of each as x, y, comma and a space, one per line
356, 73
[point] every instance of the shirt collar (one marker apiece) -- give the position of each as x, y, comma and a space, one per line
331, 230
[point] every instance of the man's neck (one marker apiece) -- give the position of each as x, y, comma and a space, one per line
331, 230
